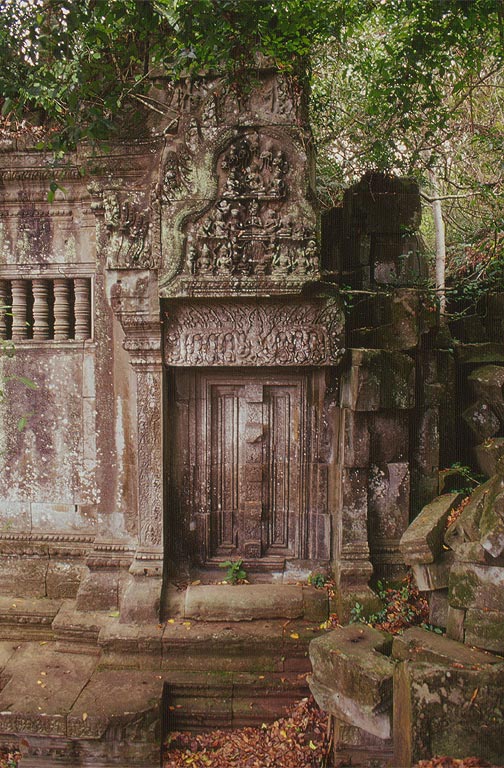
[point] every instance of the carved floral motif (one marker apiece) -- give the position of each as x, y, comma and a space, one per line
304, 333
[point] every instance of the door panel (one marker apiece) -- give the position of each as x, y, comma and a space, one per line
281, 481
245, 439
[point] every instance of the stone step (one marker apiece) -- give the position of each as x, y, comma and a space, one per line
27, 618
67, 711
202, 701
247, 602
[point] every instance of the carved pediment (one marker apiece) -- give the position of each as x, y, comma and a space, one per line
297, 333
257, 230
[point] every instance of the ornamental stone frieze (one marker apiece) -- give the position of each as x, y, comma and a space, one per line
253, 334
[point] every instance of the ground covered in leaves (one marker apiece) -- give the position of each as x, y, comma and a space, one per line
298, 740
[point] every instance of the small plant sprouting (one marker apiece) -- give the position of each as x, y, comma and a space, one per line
235, 573
317, 580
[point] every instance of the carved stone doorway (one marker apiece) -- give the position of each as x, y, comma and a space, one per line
240, 465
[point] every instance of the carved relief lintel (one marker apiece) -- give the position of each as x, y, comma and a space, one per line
269, 333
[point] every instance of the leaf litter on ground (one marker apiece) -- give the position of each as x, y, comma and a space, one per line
298, 740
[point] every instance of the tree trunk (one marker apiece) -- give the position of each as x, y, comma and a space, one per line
439, 227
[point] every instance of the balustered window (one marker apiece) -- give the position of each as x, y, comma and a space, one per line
41, 308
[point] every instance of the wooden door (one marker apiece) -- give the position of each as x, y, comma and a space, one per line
244, 493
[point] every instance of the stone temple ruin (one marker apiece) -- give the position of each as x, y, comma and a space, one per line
207, 392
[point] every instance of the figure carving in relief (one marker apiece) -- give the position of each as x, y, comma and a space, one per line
251, 214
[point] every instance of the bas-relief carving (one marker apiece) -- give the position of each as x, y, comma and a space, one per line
255, 230
150, 457
301, 333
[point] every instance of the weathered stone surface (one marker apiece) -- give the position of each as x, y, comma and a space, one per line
486, 383
485, 629
435, 575
489, 454
441, 711
63, 578
438, 608
378, 380
99, 591
489, 352
422, 542
127, 702
42, 688
352, 677
141, 600
481, 420
455, 623
466, 527
478, 585
23, 576
356, 439
492, 526
402, 316
244, 602
388, 500
420, 645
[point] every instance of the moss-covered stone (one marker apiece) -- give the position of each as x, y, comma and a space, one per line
448, 711
422, 542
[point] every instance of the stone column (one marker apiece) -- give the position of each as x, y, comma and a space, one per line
61, 309
142, 597
82, 309
4, 304
40, 308
19, 309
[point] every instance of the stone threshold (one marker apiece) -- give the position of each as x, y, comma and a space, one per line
246, 602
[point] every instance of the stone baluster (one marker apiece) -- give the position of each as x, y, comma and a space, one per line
40, 289
4, 307
19, 309
82, 308
61, 309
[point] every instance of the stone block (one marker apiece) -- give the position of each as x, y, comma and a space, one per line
42, 687
492, 526
354, 504
474, 585
481, 420
389, 437
455, 623
485, 629
441, 711
486, 384
99, 591
24, 576
15, 516
356, 439
489, 455
466, 527
352, 677
388, 500
420, 645
315, 604
489, 352
438, 608
63, 578
378, 380
243, 602
430, 576
422, 542
140, 603
125, 702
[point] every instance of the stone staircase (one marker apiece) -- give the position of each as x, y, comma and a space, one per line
82, 688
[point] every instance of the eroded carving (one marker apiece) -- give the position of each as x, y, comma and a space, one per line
303, 333
250, 229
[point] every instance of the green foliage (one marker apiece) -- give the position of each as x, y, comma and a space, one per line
318, 580
234, 573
